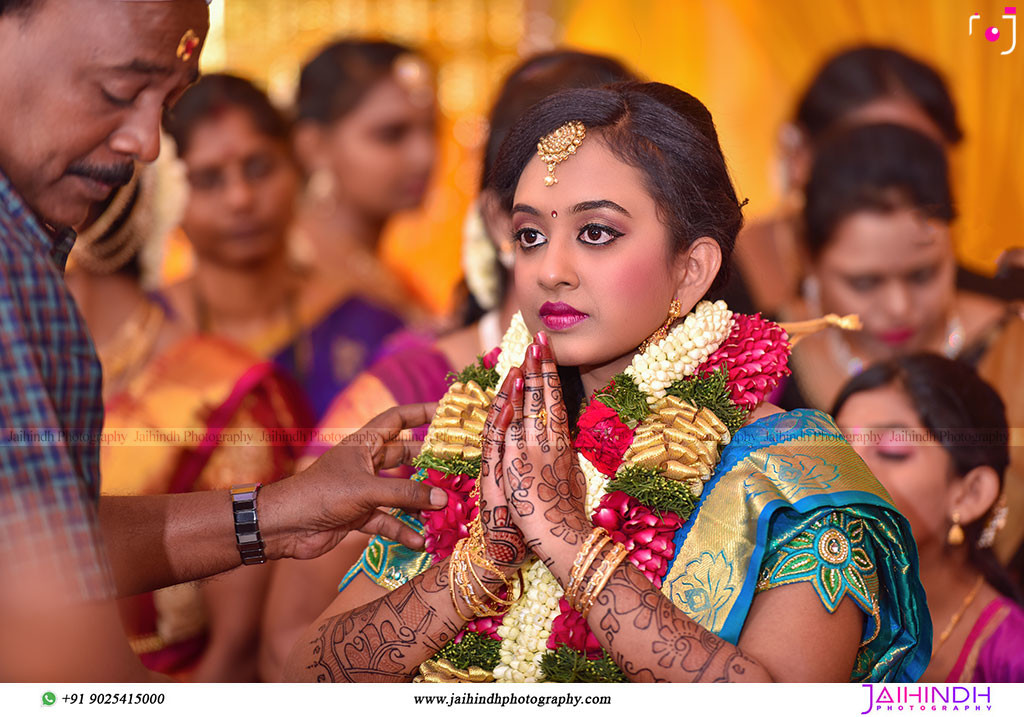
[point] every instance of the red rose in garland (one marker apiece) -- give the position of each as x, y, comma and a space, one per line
571, 630
755, 356
603, 438
648, 536
447, 526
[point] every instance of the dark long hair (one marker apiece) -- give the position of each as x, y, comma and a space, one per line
880, 168
964, 414
335, 81
665, 133
860, 75
530, 82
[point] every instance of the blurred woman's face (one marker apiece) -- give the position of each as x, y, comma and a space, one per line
243, 187
382, 153
887, 434
897, 271
594, 266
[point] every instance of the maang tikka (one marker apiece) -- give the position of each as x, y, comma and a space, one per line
558, 146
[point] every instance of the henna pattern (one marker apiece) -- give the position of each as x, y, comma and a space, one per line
519, 477
385, 640
680, 650
565, 498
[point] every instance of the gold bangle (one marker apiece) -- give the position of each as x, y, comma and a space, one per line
597, 539
601, 576
452, 584
461, 567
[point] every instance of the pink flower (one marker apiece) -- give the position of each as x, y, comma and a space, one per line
485, 626
491, 359
445, 527
570, 629
755, 355
603, 438
649, 537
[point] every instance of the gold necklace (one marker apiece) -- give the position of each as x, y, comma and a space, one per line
125, 353
954, 621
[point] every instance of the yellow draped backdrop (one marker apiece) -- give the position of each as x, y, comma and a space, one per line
747, 59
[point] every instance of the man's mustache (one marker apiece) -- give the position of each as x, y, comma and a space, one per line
116, 175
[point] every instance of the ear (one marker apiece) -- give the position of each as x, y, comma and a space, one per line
308, 140
795, 157
973, 495
696, 269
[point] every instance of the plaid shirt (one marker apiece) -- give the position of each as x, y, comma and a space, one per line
51, 409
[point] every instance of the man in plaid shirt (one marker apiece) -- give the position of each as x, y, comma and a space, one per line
83, 85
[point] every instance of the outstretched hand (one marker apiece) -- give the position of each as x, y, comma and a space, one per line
308, 514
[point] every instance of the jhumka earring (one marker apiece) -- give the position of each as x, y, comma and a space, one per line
956, 533
675, 310
558, 146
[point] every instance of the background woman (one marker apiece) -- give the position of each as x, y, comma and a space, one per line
366, 137
862, 85
639, 223
878, 215
935, 435
161, 383
243, 190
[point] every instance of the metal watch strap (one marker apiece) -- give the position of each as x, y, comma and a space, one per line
247, 524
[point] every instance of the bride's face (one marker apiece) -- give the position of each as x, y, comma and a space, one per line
594, 262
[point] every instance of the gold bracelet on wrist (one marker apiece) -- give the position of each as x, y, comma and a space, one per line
601, 576
592, 546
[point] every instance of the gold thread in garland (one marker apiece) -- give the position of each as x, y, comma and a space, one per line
711, 391
626, 399
474, 650
654, 490
568, 665
453, 466
484, 377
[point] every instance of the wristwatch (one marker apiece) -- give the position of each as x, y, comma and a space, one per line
247, 524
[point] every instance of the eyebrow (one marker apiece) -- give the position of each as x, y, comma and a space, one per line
599, 204
526, 209
144, 67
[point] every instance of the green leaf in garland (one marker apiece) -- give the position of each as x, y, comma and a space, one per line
625, 398
711, 391
568, 665
474, 650
651, 488
455, 466
484, 377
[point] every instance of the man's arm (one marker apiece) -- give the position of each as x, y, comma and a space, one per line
155, 541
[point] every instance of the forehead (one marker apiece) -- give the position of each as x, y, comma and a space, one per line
225, 136
886, 242
593, 172
387, 101
144, 35
879, 407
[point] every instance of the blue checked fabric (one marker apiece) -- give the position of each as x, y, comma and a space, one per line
51, 409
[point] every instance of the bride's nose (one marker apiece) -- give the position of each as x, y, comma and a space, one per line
557, 269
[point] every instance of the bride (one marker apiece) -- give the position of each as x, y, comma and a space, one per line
620, 513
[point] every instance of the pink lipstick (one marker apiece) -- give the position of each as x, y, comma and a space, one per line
560, 316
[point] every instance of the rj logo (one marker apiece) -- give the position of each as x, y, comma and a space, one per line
992, 34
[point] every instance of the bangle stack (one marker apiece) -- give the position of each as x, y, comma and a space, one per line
581, 596
469, 554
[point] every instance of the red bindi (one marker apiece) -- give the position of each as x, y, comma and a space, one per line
554, 214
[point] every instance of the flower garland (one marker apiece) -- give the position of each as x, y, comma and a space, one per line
647, 443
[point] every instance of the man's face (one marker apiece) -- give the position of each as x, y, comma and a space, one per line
83, 85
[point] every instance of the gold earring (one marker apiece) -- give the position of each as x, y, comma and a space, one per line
956, 533
675, 310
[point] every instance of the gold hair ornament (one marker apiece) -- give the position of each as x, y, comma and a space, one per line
555, 148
